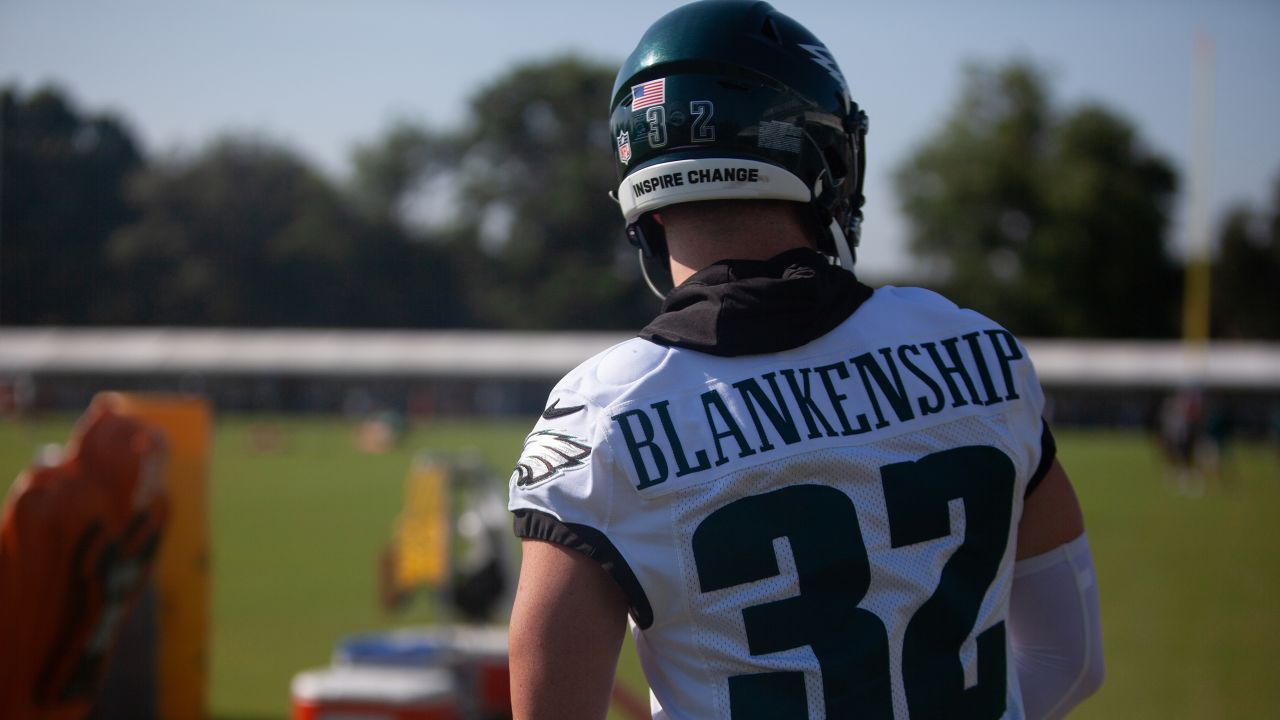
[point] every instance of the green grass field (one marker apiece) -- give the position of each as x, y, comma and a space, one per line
1190, 588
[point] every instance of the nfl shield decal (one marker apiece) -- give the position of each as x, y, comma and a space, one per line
624, 147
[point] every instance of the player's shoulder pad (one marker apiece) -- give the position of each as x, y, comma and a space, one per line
604, 378
914, 296
929, 306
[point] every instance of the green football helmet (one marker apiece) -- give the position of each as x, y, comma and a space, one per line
731, 99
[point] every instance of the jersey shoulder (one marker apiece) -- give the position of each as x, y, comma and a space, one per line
610, 374
562, 468
900, 314
922, 304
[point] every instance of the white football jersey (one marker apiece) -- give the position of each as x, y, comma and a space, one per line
824, 532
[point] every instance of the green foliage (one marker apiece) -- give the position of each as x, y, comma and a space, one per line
398, 165
221, 234
540, 156
539, 241
1246, 274
62, 191
243, 233
247, 234
502, 223
1053, 222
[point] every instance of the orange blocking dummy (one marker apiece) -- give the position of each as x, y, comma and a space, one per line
76, 547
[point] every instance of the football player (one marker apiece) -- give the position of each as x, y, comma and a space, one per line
812, 498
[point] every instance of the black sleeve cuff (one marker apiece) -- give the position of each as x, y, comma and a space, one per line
1048, 451
537, 525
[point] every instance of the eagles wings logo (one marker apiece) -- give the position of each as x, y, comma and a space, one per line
546, 454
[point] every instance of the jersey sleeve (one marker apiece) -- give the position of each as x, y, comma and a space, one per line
562, 489
557, 468
1048, 452
1031, 425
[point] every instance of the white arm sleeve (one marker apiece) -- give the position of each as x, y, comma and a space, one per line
1054, 630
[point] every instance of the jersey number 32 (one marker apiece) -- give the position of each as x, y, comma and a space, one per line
734, 545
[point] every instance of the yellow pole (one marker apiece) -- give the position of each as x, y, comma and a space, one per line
1196, 298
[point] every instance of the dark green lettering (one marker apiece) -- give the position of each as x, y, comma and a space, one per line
836, 399
635, 445
711, 399
677, 448
939, 400
1006, 355
955, 368
779, 414
984, 374
895, 393
804, 400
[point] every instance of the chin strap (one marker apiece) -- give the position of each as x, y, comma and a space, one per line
644, 271
650, 241
844, 248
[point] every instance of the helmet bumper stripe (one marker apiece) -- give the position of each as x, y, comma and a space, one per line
691, 180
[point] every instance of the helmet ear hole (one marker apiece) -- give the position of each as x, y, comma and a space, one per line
836, 165
648, 234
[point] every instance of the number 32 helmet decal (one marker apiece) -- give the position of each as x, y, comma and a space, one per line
731, 99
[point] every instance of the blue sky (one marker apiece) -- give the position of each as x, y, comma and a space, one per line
322, 75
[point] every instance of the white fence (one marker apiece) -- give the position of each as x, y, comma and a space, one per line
530, 356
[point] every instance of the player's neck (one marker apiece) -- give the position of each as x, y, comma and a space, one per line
700, 236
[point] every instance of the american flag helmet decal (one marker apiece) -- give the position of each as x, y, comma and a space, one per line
648, 94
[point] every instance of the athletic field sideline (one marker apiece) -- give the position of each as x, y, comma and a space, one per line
1189, 587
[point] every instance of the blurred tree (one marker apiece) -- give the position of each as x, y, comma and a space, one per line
247, 234
519, 198
62, 195
1246, 274
537, 173
1102, 258
401, 169
1053, 223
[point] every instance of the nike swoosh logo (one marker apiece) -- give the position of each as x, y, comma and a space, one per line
552, 412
